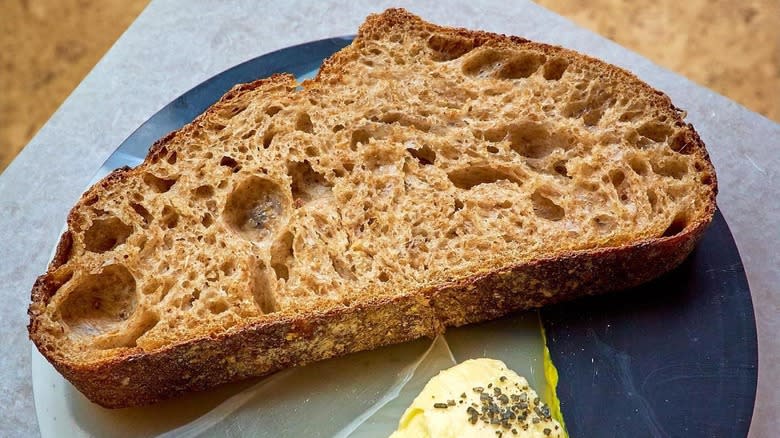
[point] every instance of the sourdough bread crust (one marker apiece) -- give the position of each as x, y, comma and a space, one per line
139, 377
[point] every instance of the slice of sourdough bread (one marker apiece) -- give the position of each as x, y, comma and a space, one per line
428, 177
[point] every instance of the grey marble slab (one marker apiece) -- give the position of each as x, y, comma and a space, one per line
176, 44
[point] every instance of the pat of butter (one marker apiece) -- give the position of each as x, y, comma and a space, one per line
477, 398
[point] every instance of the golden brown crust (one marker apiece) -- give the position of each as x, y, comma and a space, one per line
145, 377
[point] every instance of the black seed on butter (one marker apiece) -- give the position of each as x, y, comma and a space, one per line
440, 405
463, 395
546, 431
478, 389
450, 402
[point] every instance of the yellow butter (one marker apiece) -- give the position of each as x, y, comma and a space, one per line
441, 410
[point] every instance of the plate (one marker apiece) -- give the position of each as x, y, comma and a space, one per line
677, 355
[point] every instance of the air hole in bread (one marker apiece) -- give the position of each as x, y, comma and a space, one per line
157, 184
158, 153
655, 131
384, 277
254, 208
604, 223
535, 140
681, 144
186, 301
481, 62
282, 271
217, 306
268, 137
554, 69
359, 136
706, 179
678, 225
248, 134
458, 204
545, 208
262, 291
311, 151
167, 245
448, 47
670, 167
307, 183
106, 234
169, 217
337, 128
204, 192
590, 108
588, 186
559, 167
617, 177
99, 303
228, 267
425, 155
151, 286
593, 115
215, 126
231, 111
470, 177
91, 200
503, 204
230, 162
639, 165
520, 66
207, 220
172, 157
652, 199
342, 268
136, 328
303, 123
405, 120
630, 115
492, 149
60, 277
272, 110
494, 134
345, 168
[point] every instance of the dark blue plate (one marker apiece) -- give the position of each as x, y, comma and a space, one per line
675, 357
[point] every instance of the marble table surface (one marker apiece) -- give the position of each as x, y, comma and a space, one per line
176, 44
